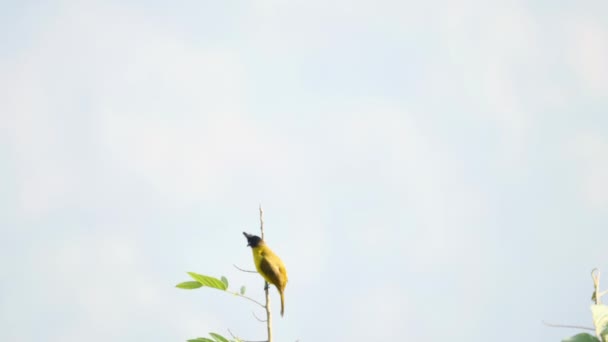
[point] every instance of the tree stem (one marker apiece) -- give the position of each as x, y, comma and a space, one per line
266, 285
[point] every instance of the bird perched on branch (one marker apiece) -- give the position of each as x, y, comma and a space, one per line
268, 264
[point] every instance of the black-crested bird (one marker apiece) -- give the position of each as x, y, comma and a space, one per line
269, 265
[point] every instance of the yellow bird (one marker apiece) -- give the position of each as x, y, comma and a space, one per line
268, 264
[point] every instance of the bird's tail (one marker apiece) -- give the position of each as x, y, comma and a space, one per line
282, 303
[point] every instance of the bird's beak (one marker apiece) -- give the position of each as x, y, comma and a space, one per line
247, 237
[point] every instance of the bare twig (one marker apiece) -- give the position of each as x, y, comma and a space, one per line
231, 334
243, 296
261, 222
240, 339
243, 270
256, 317
268, 314
595, 275
567, 326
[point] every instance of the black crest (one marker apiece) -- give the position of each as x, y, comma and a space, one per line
252, 240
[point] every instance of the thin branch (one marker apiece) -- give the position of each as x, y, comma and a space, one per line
595, 275
238, 338
243, 296
231, 334
243, 270
261, 221
567, 326
268, 314
256, 317
597, 295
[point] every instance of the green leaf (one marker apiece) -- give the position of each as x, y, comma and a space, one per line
201, 339
582, 337
189, 285
243, 288
600, 320
218, 337
225, 281
208, 281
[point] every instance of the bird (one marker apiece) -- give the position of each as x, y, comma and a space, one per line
268, 265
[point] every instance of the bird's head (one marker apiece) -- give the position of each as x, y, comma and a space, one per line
253, 240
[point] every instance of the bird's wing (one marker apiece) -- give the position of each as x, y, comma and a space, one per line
271, 271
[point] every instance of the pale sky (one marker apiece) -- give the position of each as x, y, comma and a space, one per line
429, 171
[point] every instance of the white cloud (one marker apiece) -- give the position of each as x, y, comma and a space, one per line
589, 54
427, 185
170, 112
96, 285
34, 140
492, 49
591, 158
182, 160
381, 314
107, 101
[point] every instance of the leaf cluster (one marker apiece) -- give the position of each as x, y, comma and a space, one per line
216, 338
599, 313
201, 280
